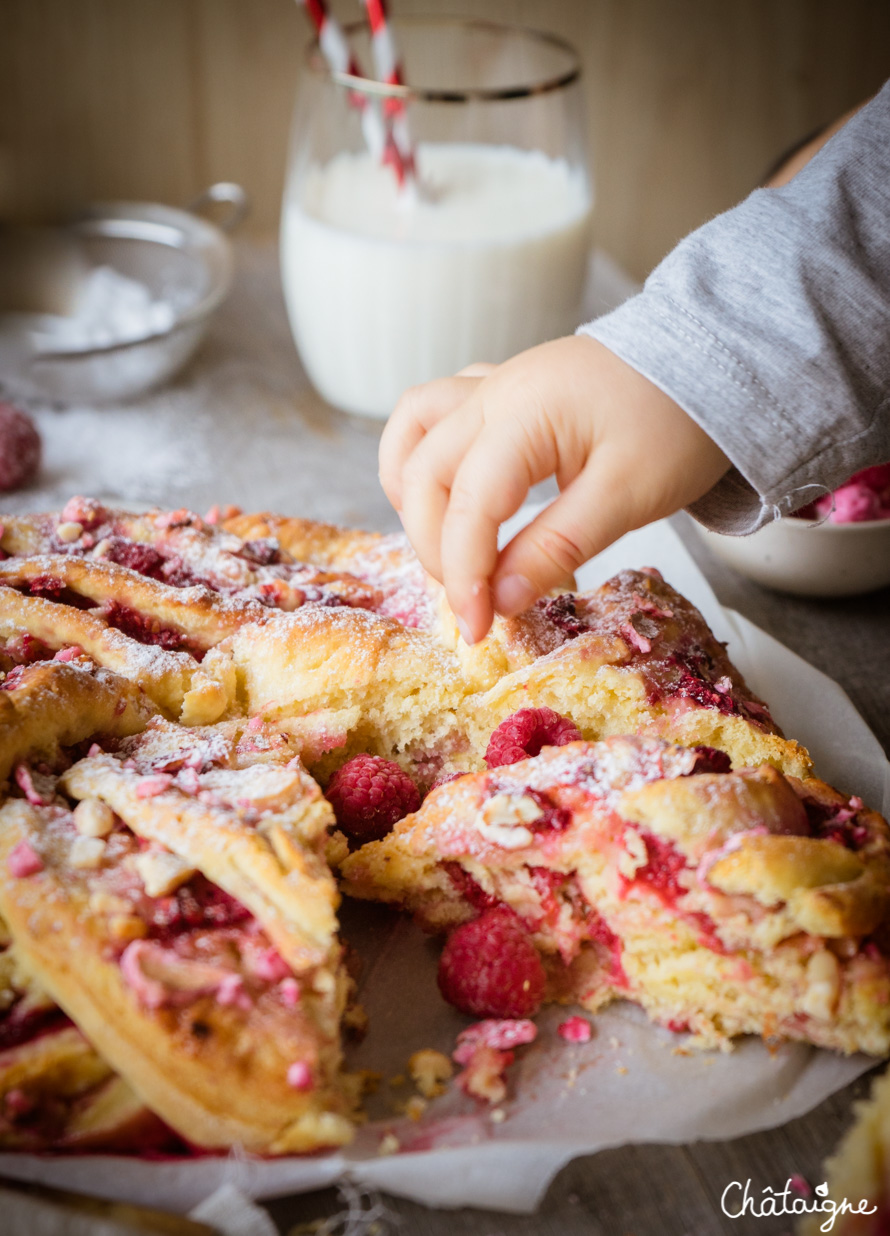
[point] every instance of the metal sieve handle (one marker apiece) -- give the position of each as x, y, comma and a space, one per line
228, 193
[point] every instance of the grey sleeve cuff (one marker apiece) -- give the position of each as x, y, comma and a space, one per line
682, 357
770, 327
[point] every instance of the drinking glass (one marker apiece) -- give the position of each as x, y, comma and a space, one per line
482, 254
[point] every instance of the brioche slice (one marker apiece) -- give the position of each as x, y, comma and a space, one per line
254, 827
343, 681
724, 903
633, 657
183, 991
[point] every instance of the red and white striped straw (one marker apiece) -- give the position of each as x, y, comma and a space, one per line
340, 58
400, 147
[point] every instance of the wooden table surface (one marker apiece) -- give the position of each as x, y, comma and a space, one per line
242, 425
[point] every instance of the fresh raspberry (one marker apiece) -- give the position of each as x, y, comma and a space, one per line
468, 888
369, 794
133, 554
710, 760
19, 448
489, 967
526, 732
562, 613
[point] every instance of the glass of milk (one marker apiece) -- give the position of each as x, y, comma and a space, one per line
483, 254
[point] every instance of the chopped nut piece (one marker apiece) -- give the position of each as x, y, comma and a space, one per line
69, 531
109, 903
428, 1070
823, 985
504, 818
87, 852
415, 1107
162, 872
368, 1080
93, 818
389, 1144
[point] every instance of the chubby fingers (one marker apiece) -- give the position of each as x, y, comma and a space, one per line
418, 411
427, 477
589, 515
479, 369
509, 453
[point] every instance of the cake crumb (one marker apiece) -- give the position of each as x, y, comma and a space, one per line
621, 1070
498, 1116
415, 1107
389, 1144
483, 1078
369, 1080
429, 1069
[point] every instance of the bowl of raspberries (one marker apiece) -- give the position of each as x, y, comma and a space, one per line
837, 546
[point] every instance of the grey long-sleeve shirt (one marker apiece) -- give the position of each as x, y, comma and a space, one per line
770, 326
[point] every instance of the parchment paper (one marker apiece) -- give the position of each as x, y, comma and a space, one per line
627, 1085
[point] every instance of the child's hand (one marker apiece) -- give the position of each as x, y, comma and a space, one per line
458, 457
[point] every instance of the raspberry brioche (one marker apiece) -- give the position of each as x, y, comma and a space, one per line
175, 692
723, 902
345, 640
56, 1090
168, 891
633, 657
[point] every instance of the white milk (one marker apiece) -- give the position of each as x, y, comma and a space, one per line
386, 291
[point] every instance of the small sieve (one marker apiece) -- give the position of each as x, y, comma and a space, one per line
180, 257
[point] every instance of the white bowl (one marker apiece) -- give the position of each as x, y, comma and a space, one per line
826, 560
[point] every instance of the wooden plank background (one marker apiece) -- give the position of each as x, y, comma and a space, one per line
689, 100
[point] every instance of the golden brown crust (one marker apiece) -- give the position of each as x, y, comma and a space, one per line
174, 680
201, 616
55, 704
201, 1063
638, 658
246, 829
306, 540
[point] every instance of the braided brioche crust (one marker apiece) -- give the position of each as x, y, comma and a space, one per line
364, 640
199, 1015
60, 923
